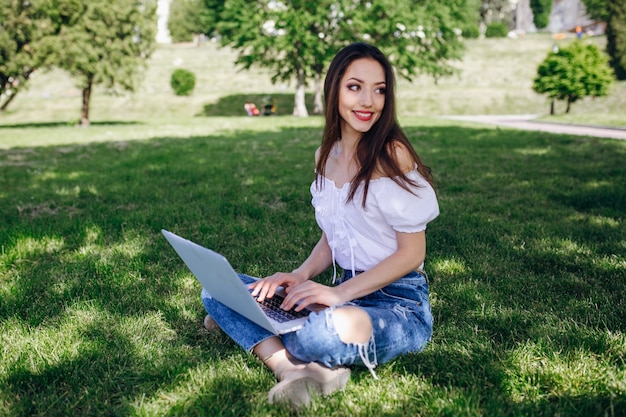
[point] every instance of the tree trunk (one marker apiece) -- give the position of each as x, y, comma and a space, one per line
26, 76
9, 100
569, 102
299, 104
318, 104
552, 107
84, 119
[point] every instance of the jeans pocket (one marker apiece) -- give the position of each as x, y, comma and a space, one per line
412, 291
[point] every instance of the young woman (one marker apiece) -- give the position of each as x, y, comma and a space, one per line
373, 198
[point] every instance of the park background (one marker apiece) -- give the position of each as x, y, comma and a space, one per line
98, 316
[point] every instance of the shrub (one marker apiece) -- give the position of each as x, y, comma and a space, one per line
497, 30
470, 32
183, 82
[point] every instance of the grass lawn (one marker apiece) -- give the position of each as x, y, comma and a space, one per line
99, 316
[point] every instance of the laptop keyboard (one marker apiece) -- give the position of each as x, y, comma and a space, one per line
271, 307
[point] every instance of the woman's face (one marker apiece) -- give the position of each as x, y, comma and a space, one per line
361, 96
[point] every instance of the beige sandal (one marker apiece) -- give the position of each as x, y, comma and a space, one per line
209, 323
299, 386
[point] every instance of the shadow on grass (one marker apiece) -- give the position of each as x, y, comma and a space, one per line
48, 125
233, 105
525, 255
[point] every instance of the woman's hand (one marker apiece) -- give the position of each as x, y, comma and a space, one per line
267, 287
310, 293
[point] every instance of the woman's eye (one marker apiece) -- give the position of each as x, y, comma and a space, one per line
380, 90
353, 87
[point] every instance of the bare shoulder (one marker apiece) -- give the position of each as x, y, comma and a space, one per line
317, 154
402, 155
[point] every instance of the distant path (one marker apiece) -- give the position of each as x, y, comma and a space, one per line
526, 122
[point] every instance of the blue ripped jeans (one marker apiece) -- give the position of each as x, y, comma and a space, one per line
400, 315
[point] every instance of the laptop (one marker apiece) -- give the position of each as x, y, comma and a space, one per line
221, 281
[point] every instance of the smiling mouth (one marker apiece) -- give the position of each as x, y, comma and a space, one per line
363, 115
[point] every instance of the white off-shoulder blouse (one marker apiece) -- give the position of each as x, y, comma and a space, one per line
361, 238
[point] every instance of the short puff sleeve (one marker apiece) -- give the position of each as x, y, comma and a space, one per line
404, 211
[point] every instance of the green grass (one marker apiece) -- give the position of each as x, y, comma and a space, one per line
99, 316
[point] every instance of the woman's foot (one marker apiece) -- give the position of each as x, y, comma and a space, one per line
297, 387
209, 323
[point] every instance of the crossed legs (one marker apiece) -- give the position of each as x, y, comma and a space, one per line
298, 381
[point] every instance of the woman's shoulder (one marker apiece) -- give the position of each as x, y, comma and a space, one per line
402, 156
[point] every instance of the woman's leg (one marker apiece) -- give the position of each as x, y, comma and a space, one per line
298, 381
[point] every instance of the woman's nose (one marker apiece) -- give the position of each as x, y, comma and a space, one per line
366, 98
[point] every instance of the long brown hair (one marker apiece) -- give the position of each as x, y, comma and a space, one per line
376, 147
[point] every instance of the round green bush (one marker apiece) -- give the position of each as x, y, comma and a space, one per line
471, 32
183, 82
497, 30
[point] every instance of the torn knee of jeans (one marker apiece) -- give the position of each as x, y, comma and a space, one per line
356, 328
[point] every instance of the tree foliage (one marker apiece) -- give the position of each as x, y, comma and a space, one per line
496, 11
541, 12
188, 18
107, 45
573, 72
597, 9
419, 37
616, 37
296, 39
27, 40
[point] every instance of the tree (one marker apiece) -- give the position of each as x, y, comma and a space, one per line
292, 39
183, 21
297, 38
573, 72
419, 37
108, 45
188, 18
541, 12
616, 37
597, 9
27, 33
496, 11
614, 14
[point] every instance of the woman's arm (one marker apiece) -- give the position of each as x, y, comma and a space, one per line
409, 256
316, 263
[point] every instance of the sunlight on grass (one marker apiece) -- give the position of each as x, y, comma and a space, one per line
69, 192
448, 267
131, 246
188, 288
592, 185
562, 247
36, 349
148, 336
28, 246
538, 372
207, 383
595, 220
533, 151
